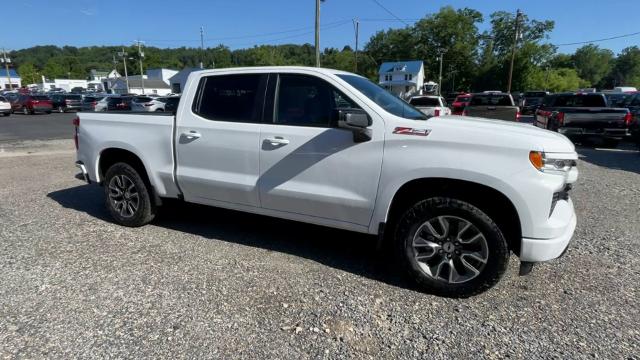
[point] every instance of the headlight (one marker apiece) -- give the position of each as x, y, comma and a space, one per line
551, 163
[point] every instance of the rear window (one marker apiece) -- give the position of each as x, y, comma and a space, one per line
73, 97
142, 99
580, 101
533, 101
491, 100
40, 97
89, 99
424, 101
463, 98
537, 94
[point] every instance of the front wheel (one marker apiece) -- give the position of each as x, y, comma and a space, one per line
127, 196
25, 111
451, 248
60, 109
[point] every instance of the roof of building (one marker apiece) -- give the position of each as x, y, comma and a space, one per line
12, 73
412, 66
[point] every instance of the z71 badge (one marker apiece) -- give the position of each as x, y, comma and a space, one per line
411, 131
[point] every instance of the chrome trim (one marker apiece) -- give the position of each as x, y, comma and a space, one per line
85, 174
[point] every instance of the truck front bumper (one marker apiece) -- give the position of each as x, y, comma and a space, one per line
537, 250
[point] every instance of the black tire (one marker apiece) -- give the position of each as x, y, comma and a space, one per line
48, 112
145, 210
60, 109
610, 143
497, 251
25, 111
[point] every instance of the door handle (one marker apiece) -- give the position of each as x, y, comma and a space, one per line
278, 140
191, 135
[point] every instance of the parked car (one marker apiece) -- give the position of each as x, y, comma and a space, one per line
458, 105
171, 103
453, 197
530, 105
31, 104
5, 106
90, 102
492, 105
66, 102
430, 105
118, 103
148, 104
580, 116
633, 104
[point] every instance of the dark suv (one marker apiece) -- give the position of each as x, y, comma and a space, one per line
119, 103
66, 102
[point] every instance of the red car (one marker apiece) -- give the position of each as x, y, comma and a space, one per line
30, 104
458, 105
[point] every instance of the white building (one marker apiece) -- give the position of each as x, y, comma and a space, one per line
97, 79
161, 74
403, 78
64, 84
178, 80
16, 82
136, 83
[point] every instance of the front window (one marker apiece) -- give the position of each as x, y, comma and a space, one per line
424, 101
383, 98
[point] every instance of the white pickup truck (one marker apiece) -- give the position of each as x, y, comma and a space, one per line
453, 196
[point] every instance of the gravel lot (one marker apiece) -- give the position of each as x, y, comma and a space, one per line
203, 282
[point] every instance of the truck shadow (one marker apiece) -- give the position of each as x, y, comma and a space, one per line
343, 250
626, 157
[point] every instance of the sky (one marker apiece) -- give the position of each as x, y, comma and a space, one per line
245, 23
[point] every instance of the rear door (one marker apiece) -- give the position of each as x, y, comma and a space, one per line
217, 140
307, 165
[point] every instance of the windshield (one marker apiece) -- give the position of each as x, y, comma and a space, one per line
533, 101
383, 98
595, 100
493, 99
462, 99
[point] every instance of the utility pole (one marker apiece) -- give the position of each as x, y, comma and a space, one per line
123, 54
201, 47
441, 53
513, 50
140, 56
356, 24
6, 62
453, 72
318, 33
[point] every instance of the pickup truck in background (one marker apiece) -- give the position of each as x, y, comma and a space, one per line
430, 105
633, 104
492, 105
450, 197
580, 116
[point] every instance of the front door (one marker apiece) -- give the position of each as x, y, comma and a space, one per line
308, 166
217, 142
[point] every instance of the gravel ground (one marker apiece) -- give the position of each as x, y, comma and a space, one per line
203, 282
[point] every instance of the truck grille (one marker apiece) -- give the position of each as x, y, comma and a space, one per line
560, 195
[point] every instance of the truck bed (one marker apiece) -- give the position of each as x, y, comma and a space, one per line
147, 135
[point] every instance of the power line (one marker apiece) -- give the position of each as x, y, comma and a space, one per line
389, 12
599, 40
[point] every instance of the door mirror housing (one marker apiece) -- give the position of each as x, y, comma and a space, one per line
357, 121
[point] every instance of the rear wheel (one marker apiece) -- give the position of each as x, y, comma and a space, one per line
451, 248
60, 109
127, 196
25, 111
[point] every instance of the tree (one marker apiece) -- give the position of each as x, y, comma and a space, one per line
627, 67
53, 69
28, 73
555, 80
593, 63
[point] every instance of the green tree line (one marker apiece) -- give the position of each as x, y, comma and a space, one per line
472, 60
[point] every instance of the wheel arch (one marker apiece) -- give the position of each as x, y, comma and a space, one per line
113, 155
488, 199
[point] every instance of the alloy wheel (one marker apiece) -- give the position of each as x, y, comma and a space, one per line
450, 249
124, 196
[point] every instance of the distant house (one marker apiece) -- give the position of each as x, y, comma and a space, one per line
178, 80
16, 81
139, 85
99, 80
403, 78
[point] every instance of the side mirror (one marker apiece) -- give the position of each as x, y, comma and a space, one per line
357, 121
